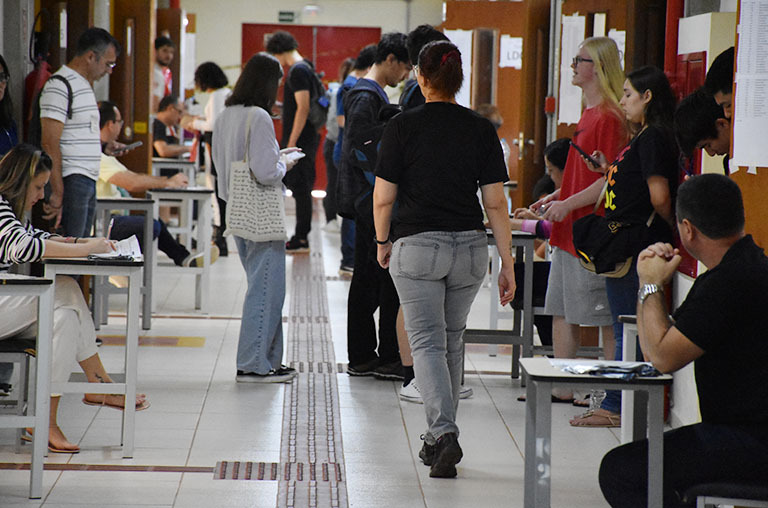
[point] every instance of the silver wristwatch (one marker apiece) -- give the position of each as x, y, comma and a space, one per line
647, 290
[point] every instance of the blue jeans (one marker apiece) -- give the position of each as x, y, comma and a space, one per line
6, 371
260, 347
622, 297
79, 205
347, 242
694, 454
437, 275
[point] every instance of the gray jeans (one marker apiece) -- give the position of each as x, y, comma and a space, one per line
437, 275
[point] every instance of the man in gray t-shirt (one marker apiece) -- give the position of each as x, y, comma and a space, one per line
73, 143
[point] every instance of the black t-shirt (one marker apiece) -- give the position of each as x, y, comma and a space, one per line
160, 133
726, 315
627, 198
300, 77
438, 154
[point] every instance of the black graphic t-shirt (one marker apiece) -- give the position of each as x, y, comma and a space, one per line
627, 198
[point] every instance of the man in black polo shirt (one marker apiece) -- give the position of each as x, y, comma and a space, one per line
297, 131
721, 327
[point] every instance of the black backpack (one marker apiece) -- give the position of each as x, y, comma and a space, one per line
318, 100
35, 131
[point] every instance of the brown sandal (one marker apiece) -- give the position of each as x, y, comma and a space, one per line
597, 419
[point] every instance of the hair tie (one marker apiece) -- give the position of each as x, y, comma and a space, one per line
451, 54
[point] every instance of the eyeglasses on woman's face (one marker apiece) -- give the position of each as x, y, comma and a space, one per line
578, 59
4, 77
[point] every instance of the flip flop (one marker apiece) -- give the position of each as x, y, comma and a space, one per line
27, 438
592, 420
139, 407
555, 400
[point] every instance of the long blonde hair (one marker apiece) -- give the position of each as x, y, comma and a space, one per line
607, 64
17, 169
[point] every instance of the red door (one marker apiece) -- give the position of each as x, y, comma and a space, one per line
325, 46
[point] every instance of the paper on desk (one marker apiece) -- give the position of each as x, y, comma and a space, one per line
581, 366
128, 247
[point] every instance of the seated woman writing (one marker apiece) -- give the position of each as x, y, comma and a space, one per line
24, 171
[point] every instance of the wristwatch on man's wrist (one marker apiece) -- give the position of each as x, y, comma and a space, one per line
647, 290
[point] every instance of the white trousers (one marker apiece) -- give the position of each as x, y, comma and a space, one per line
74, 336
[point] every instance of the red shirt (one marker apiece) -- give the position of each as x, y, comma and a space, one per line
597, 130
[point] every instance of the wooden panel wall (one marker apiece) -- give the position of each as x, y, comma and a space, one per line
130, 84
172, 20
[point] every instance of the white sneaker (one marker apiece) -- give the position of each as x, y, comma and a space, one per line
197, 261
410, 393
332, 226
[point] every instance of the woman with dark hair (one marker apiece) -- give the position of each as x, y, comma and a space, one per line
24, 171
8, 132
642, 183
209, 78
432, 160
260, 347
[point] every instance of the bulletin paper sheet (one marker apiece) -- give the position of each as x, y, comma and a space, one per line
569, 109
463, 40
751, 89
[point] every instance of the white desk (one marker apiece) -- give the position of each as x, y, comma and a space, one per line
203, 196
542, 377
186, 166
132, 270
43, 289
104, 208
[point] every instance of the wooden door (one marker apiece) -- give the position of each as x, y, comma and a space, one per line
520, 93
130, 84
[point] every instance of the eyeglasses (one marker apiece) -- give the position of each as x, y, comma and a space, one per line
577, 60
4, 77
111, 65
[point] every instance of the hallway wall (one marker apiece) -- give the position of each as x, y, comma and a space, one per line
218, 35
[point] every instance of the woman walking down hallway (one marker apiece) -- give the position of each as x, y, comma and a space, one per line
24, 171
641, 188
244, 132
432, 160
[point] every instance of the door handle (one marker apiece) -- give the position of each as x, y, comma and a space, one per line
520, 143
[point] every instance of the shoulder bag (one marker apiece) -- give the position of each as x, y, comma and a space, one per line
255, 211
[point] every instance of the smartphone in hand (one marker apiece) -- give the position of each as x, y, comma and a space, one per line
128, 148
584, 154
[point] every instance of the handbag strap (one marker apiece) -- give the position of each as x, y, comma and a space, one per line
602, 196
248, 134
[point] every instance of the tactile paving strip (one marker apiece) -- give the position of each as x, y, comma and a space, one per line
311, 469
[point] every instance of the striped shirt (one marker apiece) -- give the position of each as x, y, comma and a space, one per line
18, 244
79, 143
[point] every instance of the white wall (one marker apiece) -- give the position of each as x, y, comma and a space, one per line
219, 32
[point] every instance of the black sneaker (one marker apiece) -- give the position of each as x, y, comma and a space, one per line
284, 369
364, 369
391, 371
272, 376
296, 246
427, 452
5, 389
447, 454
346, 271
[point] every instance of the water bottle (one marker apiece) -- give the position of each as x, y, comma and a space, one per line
596, 398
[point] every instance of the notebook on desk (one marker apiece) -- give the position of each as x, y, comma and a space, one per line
126, 249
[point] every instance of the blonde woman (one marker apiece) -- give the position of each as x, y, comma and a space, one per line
575, 296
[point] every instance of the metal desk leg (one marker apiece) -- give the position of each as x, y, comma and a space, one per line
631, 410
149, 255
655, 446
131, 363
153, 261
42, 391
538, 430
204, 234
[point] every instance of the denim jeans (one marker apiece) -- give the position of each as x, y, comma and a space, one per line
331, 173
437, 275
347, 242
694, 454
622, 297
79, 205
260, 347
125, 226
6, 372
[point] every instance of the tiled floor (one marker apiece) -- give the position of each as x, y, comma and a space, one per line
200, 416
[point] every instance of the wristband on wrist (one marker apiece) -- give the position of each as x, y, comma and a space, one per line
382, 243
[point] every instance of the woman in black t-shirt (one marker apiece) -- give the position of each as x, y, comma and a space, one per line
432, 160
642, 182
